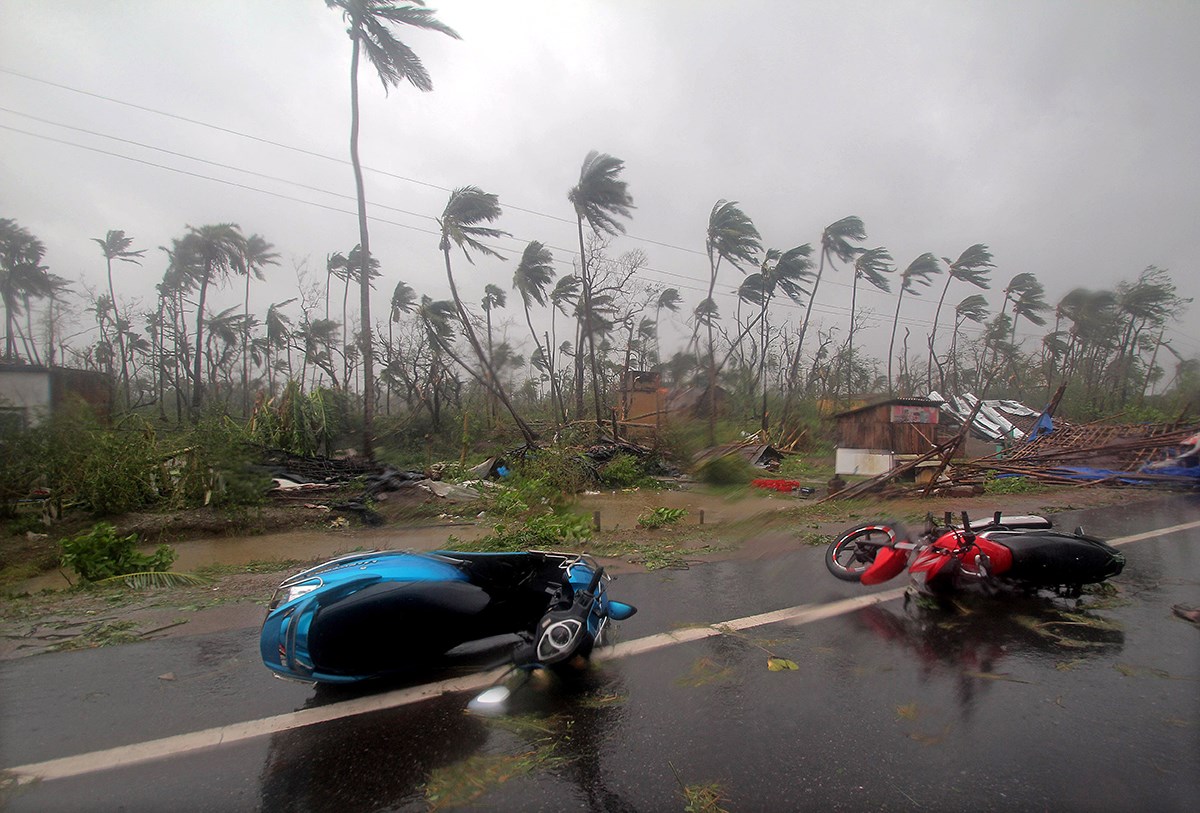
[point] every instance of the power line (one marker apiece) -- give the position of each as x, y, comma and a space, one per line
311, 153
830, 310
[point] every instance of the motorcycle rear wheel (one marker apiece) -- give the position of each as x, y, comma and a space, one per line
848, 556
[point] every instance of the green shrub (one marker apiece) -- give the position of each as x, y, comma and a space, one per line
118, 473
545, 531
623, 471
661, 517
1010, 485
215, 466
729, 470
560, 473
100, 554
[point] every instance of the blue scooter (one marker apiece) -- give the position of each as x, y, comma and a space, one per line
392, 613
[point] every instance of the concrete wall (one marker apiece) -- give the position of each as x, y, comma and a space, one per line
27, 392
865, 462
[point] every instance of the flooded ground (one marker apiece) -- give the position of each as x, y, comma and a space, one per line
619, 510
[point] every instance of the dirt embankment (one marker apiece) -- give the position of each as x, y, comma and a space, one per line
750, 526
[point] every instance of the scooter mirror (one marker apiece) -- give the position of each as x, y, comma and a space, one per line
619, 610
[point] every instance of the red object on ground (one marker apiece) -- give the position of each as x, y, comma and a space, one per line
782, 486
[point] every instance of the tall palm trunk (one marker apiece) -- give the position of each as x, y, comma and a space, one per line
589, 325
490, 380
849, 363
120, 334
933, 332
246, 349
792, 374
198, 361
368, 352
712, 355
892, 341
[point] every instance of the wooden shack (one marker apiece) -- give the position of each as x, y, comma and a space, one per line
873, 438
643, 405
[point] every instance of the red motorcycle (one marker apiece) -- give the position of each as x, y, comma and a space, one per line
1020, 552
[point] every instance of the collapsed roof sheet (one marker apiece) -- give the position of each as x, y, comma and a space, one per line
998, 420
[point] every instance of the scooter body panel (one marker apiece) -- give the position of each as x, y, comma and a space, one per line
370, 615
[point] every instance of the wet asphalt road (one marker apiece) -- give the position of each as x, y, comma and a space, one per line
1020, 705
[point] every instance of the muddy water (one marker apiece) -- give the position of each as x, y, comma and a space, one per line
302, 545
618, 511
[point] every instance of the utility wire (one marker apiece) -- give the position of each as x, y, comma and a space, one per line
829, 310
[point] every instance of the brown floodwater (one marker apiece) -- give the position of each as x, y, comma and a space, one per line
618, 510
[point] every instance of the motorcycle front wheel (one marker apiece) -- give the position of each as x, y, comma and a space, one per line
848, 556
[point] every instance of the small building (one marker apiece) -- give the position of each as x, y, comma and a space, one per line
643, 405
29, 393
872, 439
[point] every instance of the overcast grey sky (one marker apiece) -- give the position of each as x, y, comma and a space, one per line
1064, 135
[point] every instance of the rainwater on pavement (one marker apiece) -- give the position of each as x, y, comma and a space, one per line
997, 704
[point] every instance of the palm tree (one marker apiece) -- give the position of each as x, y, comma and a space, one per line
436, 316
972, 266
115, 246
668, 299
20, 255
600, 198
279, 332
467, 207
564, 298
258, 255
786, 271
919, 272
972, 308
57, 287
404, 300
369, 25
534, 274
731, 236
1146, 303
212, 252
870, 265
835, 242
493, 297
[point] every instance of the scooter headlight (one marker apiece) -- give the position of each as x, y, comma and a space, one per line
559, 640
291, 592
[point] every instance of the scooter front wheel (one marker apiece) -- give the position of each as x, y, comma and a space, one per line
848, 556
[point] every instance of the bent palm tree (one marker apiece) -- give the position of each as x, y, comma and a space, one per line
835, 242
211, 252
669, 299
468, 207
972, 308
115, 246
369, 27
534, 274
732, 237
973, 266
919, 272
600, 198
787, 271
259, 254
870, 265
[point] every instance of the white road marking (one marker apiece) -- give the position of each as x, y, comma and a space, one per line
126, 755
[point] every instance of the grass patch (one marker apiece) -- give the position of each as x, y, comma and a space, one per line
661, 517
217, 569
